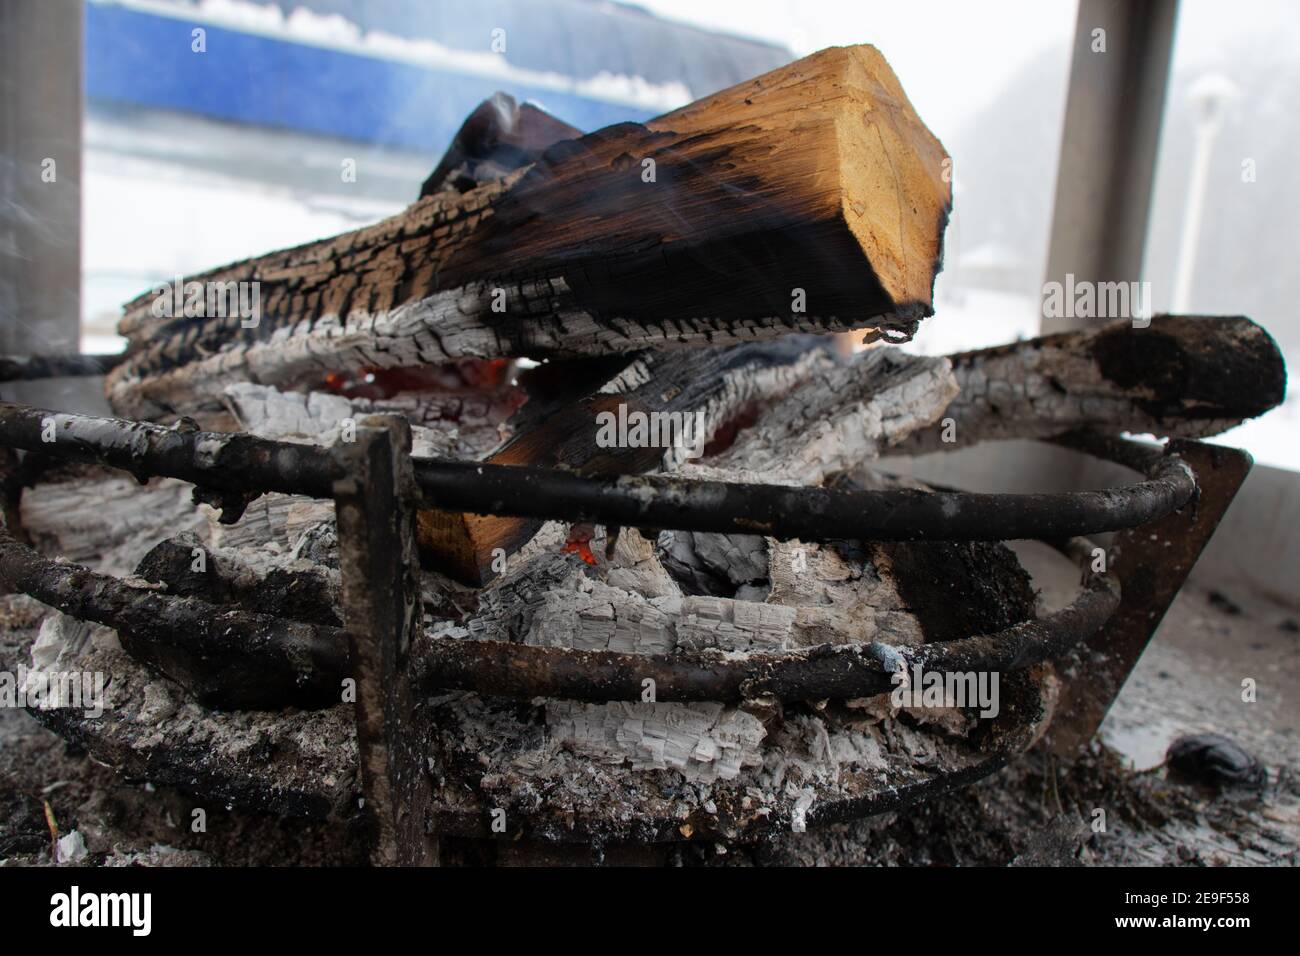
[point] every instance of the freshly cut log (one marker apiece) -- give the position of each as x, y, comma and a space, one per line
811, 198
1183, 376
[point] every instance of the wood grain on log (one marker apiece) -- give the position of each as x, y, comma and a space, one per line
816, 177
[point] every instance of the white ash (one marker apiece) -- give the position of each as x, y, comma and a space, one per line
108, 523
636, 567
148, 720
808, 749
703, 741
815, 597
286, 416
59, 641
799, 813
732, 625
507, 607
71, 848
840, 601
740, 387
597, 617
321, 418
842, 416
273, 522
718, 564
554, 599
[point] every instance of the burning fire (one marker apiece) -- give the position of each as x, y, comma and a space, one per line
579, 542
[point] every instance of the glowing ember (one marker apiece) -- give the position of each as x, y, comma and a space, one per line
579, 542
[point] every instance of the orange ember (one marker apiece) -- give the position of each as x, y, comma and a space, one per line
579, 542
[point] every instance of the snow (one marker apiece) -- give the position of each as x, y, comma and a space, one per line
967, 319
147, 220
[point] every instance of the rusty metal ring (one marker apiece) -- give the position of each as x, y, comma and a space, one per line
239, 466
269, 662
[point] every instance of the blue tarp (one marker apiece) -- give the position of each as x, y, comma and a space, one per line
140, 58
143, 59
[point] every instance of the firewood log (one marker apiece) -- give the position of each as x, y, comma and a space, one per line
678, 401
1183, 376
811, 198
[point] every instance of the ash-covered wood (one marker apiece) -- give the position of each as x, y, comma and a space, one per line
465, 425
840, 417
107, 521
491, 664
1182, 376
288, 762
226, 656
680, 400
809, 198
300, 591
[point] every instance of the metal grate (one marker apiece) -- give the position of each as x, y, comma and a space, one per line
230, 657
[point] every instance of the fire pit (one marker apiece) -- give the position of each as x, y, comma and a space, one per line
231, 657
397, 606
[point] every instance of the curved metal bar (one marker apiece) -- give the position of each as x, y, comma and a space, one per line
233, 658
822, 672
228, 657
811, 514
240, 464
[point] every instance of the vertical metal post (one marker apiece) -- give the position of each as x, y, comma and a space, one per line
1113, 114
40, 176
383, 615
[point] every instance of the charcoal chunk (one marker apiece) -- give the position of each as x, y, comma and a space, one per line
1215, 759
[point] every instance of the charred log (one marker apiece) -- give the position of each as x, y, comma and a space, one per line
678, 400
809, 198
1183, 377
189, 570
497, 138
